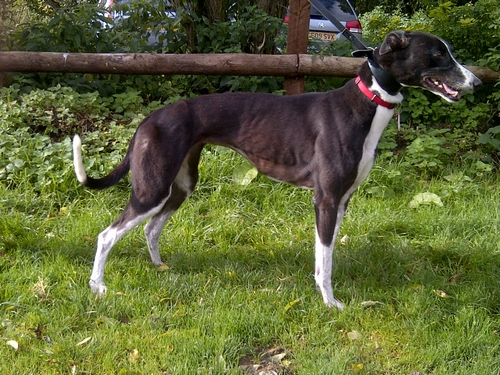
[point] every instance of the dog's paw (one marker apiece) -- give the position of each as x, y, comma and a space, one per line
335, 303
96, 288
328, 298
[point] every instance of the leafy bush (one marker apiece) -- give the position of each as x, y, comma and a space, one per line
85, 28
250, 31
36, 131
472, 29
378, 22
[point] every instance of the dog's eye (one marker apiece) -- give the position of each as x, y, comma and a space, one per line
438, 55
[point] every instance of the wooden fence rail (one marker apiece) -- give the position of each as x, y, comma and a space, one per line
206, 64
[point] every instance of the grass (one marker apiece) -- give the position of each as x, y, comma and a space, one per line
421, 285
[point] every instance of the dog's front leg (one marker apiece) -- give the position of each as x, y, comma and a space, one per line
328, 219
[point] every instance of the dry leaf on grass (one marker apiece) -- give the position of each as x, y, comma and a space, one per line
357, 367
367, 304
441, 294
354, 335
14, 344
290, 304
270, 361
84, 341
134, 355
163, 267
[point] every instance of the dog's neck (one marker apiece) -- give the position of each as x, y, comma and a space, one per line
383, 77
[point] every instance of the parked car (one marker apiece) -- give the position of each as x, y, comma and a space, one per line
320, 28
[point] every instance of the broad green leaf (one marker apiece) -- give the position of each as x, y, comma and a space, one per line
380, 191
244, 174
425, 198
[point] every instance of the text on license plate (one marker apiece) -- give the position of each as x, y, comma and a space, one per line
322, 36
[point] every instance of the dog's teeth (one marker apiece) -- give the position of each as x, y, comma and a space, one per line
437, 83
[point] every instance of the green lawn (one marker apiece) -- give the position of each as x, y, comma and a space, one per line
421, 285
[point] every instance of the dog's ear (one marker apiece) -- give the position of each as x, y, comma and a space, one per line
394, 41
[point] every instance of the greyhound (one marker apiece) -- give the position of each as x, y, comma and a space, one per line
321, 141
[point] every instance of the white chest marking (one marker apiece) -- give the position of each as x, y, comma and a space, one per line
379, 123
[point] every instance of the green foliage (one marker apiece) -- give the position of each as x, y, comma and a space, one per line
472, 29
146, 26
405, 6
35, 131
78, 29
85, 28
250, 31
491, 138
427, 151
378, 22
435, 134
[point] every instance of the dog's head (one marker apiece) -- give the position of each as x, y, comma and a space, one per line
424, 60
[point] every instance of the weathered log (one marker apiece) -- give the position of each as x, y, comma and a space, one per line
206, 64
330, 66
145, 63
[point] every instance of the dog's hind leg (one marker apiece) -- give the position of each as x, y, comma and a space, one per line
152, 185
182, 187
110, 236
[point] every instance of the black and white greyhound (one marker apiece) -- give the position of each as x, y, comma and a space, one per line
320, 141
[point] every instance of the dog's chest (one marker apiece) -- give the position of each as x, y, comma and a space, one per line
379, 123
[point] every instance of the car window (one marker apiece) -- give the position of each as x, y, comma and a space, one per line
340, 9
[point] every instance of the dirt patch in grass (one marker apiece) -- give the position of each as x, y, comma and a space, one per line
267, 361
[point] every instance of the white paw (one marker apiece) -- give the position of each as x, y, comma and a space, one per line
335, 303
97, 288
328, 298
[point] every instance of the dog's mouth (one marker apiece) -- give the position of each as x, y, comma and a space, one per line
442, 88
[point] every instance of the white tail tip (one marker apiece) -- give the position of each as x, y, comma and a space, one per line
77, 160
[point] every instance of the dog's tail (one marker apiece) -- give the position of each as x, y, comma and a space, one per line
97, 183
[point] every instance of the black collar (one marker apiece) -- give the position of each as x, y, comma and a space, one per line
384, 79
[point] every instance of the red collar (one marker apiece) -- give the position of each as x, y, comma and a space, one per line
370, 95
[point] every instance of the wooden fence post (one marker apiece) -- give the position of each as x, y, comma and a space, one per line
298, 29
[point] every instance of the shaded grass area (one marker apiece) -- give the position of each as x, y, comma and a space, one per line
421, 285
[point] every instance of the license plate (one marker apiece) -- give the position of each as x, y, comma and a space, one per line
330, 37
